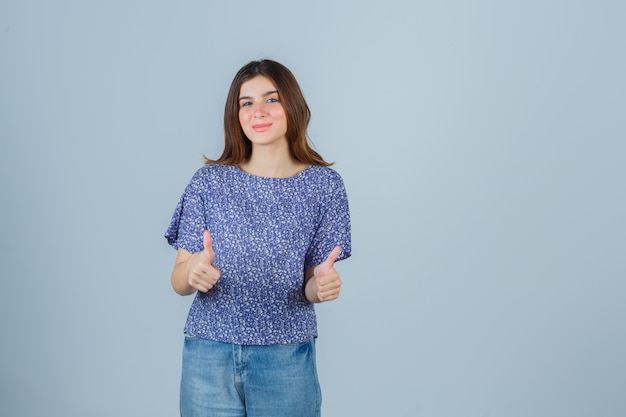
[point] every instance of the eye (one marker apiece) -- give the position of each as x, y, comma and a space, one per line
273, 100
245, 103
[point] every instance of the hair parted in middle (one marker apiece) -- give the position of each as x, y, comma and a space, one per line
237, 147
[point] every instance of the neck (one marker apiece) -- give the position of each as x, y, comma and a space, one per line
275, 163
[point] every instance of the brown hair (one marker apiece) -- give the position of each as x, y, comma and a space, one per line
237, 147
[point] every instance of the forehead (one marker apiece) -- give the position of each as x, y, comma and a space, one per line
258, 85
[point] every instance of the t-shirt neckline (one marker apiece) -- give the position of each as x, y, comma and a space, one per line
296, 175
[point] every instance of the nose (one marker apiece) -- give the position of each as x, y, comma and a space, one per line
259, 110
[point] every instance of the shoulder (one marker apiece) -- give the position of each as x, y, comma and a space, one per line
325, 174
324, 178
208, 177
214, 169
212, 172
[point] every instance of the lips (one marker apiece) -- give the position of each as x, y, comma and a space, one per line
261, 127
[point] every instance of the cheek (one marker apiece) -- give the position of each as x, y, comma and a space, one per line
242, 117
280, 114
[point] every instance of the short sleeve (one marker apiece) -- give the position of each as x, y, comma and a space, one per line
189, 220
334, 228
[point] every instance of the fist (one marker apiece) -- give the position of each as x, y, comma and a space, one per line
202, 274
327, 278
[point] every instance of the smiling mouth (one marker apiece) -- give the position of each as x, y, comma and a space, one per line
261, 127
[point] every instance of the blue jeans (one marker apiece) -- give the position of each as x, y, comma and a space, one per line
228, 380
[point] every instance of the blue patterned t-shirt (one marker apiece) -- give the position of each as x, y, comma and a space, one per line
266, 232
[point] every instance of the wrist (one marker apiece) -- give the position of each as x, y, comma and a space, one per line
310, 290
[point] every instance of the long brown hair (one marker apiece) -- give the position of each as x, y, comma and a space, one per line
237, 147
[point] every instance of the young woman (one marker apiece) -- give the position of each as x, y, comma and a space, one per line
257, 233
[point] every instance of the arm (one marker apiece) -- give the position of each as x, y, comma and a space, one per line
322, 282
195, 272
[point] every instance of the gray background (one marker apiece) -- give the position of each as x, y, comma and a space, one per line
482, 145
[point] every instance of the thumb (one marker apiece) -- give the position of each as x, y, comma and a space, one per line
208, 245
324, 267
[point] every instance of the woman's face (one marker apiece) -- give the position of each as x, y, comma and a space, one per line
261, 113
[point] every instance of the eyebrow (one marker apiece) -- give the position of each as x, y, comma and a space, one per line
264, 95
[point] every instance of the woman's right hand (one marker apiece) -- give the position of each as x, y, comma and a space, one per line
201, 273
195, 272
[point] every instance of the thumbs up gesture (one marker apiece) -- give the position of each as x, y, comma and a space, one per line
323, 281
202, 275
